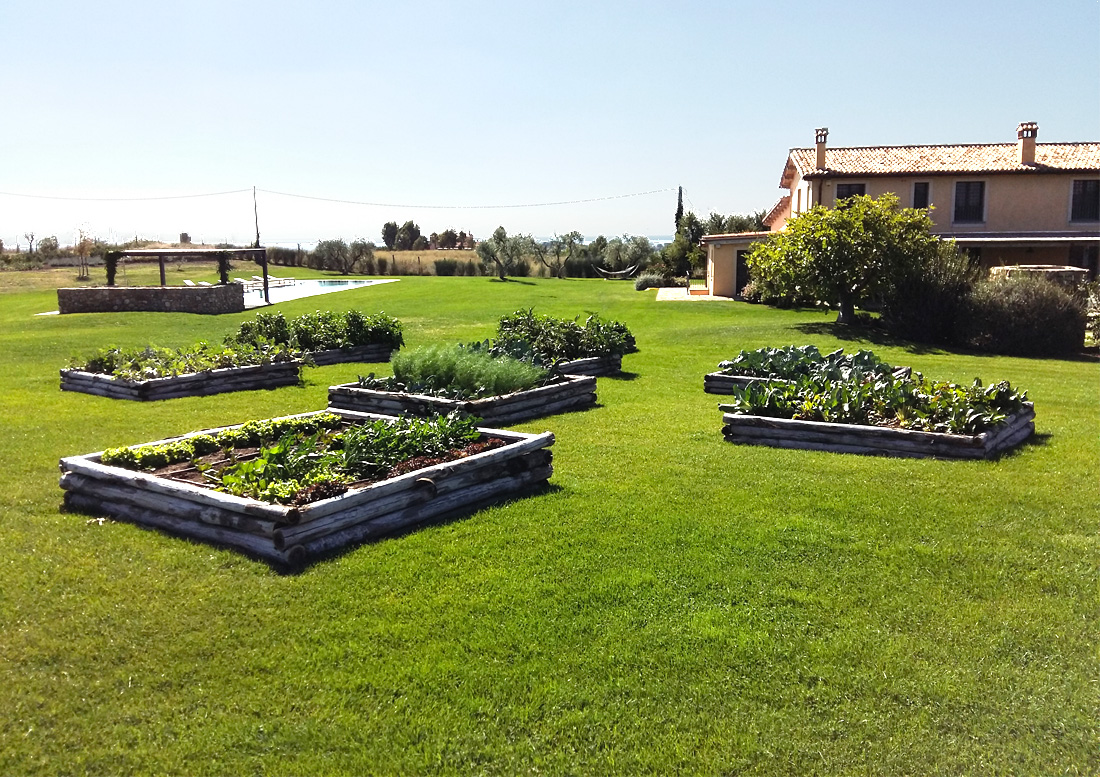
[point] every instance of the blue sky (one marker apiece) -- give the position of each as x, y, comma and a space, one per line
478, 104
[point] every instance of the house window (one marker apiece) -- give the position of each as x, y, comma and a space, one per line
969, 202
1086, 201
921, 194
846, 190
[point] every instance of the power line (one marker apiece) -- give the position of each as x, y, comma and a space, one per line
466, 207
123, 199
342, 201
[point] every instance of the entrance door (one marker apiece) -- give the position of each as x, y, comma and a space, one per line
742, 273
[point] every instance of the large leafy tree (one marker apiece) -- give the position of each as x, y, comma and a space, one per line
407, 235
845, 256
389, 234
448, 238
333, 255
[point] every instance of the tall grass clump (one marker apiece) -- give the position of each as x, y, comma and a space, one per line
1024, 316
457, 372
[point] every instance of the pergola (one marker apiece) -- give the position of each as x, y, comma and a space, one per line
257, 255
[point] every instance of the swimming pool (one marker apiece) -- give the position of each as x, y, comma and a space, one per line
254, 296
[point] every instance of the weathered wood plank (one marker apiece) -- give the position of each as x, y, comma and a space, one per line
358, 353
594, 366
107, 491
219, 381
460, 501
259, 546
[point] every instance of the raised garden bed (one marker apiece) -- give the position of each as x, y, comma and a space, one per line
247, 378
290, 535
327, 337
564, 394
355, 353
878, 440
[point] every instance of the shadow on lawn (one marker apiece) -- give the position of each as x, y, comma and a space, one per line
876, 336
857, 333
445, 519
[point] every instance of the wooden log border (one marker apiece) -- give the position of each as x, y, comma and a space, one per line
290, 535
879, 440
196, 384
356, 353
571, 393
595, 365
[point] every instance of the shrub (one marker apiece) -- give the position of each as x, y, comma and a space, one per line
1024, 316
560, 339
655, 280
927, 295
321, 331
446, 266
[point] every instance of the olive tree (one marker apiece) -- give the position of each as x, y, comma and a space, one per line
844, 256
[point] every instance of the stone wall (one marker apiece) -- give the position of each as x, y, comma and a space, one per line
160, 299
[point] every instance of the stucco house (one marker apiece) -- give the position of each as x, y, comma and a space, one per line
1007, 203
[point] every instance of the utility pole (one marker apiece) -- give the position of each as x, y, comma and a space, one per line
256, 213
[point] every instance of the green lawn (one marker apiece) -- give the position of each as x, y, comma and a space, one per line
672, 604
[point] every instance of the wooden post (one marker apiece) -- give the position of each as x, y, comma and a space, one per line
162, 279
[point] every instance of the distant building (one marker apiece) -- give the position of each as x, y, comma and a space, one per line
1007, 203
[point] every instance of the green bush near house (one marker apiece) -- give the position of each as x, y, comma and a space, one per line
1024, 316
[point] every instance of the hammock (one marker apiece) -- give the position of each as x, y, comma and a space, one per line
617, 274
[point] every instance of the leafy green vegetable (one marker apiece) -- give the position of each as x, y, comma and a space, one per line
304, 459
321, 330
559, 339
909, 402
137, 364
792, 362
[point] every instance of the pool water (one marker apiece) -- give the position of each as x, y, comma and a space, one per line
306, 288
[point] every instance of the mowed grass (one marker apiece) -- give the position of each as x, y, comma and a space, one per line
671, 604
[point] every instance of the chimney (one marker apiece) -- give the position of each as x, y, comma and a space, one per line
822, 134
1025, 143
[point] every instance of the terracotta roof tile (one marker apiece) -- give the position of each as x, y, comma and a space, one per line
929, 160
